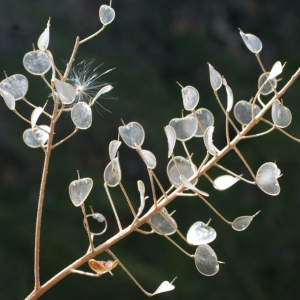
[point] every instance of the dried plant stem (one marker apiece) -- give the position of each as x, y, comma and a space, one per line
198, 121
66, 138
186, 151
40, 203
87, 227
20, 116
32, 105
124, 193
203, 162
227, 129
175, 228
46, 81
170, 240
129, 274
152, 186
113, 206
244, 161
259, 134
234, 174
85, 273
209, 178
40, 290
222, 107
281, 130
92, 36
165, 194
212, 208
69, 65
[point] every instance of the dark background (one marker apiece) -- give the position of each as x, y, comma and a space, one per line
152, 44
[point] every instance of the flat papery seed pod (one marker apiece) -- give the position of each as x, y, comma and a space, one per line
206, 119
37, 62
165, 286
229, 97
190, 97
281, 115
30, 140
163, 223
200, 233
243, 112
102, 91
79, 190
208, 141
149, 158
206, 260
132, 134
102, 267
8, 99
44, 38
190, 186
141, 189
81, 115
96, 218
17, 85
241, 223
109, 175
186, 168
35, 115
252, 42
267, 89
266, 178
276, 70
65, 91
106, 14
215, 78
113, 148
171, 137
185, 128
224, 182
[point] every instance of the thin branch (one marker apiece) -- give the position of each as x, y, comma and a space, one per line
227, 129
87, 227
170, 240
145, 232
85, 273
165, 194
92, 36
203, 162
281, 130
152, 186
209, 178
186, 151
244, 161
60, 112
46, 81
259, 134
234, 174
113, 206
124, 192
19, 115
212, 208
66, 138
129, 274
224, 111
69, 65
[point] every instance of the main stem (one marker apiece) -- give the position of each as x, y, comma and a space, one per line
165, 201
41, 201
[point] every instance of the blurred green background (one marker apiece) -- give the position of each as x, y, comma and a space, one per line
152, 44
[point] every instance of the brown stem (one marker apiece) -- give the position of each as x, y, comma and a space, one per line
40, 203
165, 201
